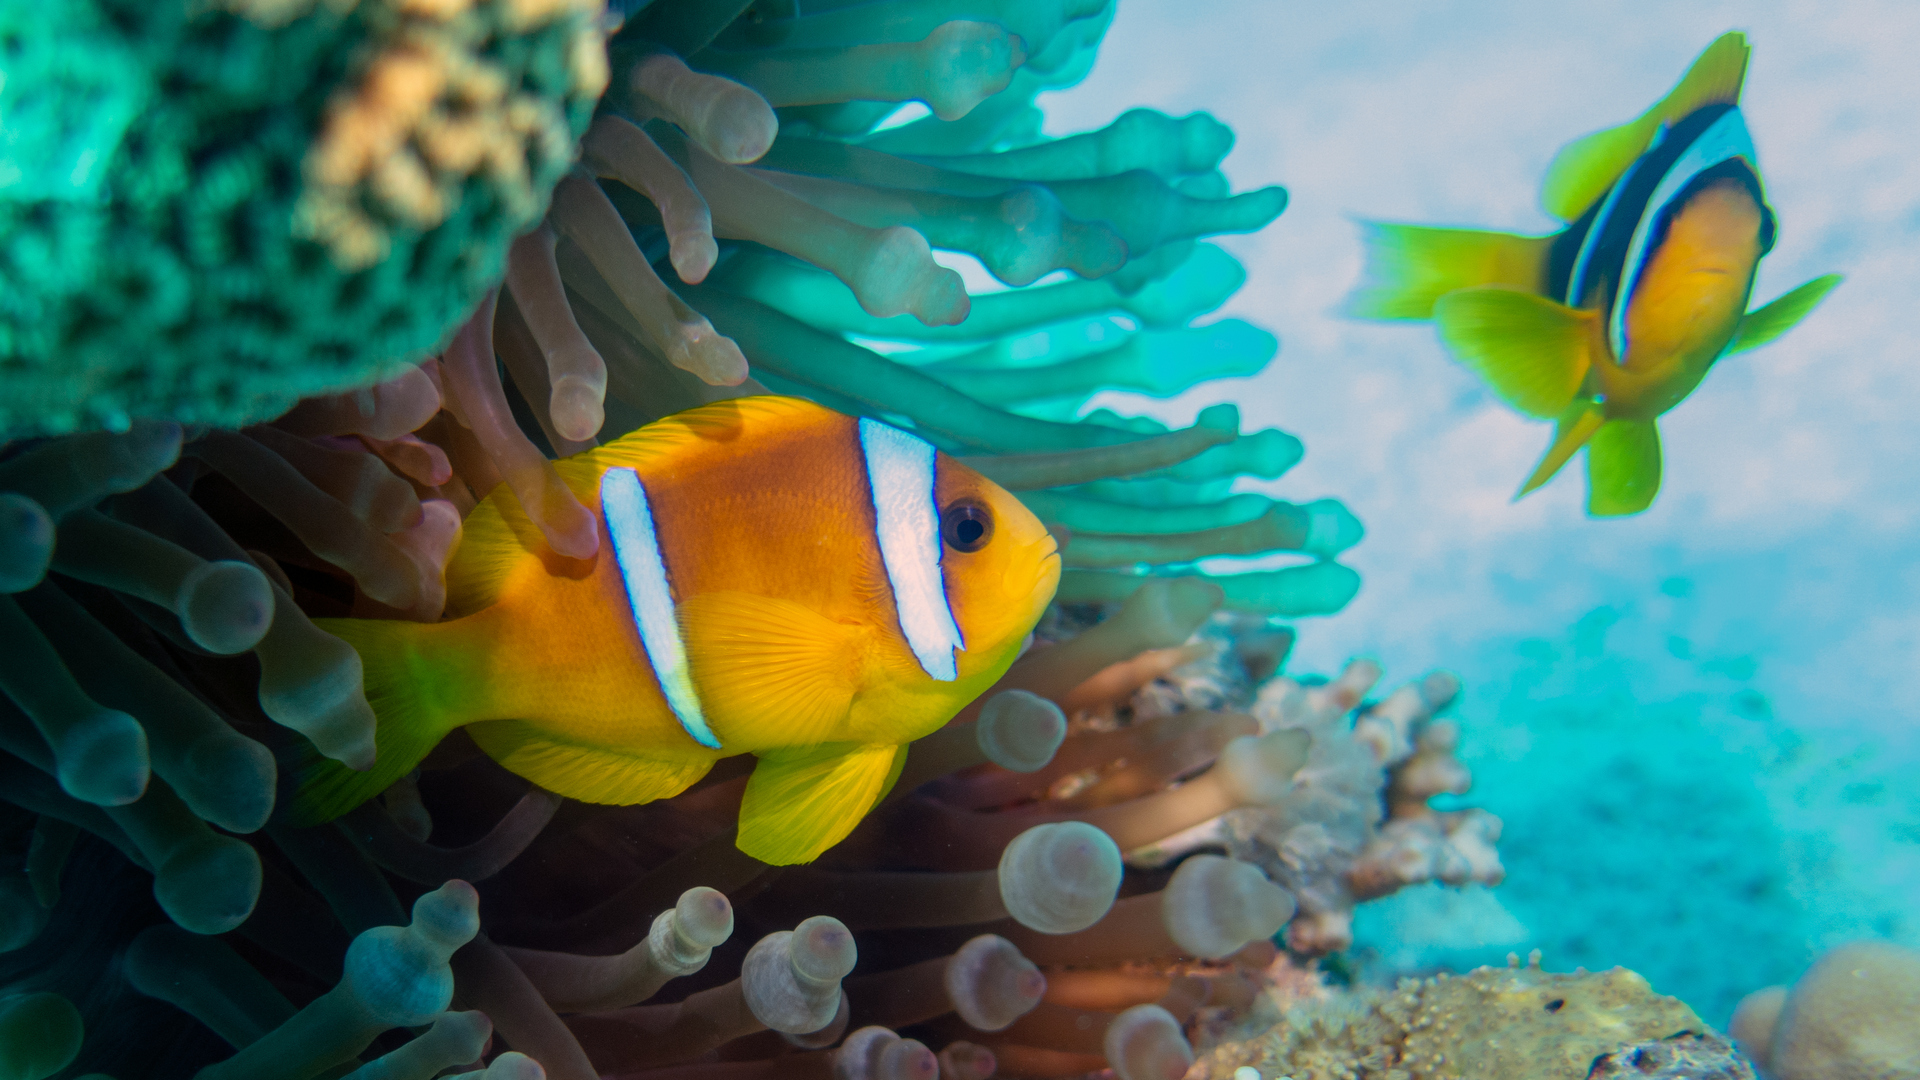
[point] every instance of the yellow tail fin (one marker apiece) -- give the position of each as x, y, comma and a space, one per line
1585, 168
407, 724
1533, 352
1411, 266
1623, 468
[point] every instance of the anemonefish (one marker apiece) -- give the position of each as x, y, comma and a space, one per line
774, 579
1613, 320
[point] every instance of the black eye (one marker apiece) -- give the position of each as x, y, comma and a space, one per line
966, 526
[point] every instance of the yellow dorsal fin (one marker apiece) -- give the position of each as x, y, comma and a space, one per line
1574, 428
1623, 468
1532, 352
722, 421
498, 534
494, 538
799, 803
1585, 168
1411, 266
592, 774
1763, 324
771, 672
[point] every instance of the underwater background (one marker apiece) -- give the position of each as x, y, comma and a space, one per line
1698, 724
1195, 828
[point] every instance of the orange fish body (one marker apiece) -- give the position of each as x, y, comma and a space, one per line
774, 578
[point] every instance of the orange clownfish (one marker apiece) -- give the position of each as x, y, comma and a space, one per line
773, 579
1615, 319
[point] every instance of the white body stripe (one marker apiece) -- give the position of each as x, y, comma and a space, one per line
907, 526
636, 548
1724, 140
1577, 280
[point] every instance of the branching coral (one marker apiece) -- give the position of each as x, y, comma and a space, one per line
739, 220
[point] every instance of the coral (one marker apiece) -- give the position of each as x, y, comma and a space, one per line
1686, 1056
210, 211
1510, 1023
1356, 823
1851, 1016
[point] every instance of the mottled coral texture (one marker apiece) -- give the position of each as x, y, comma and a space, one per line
211, 210
1513, 1023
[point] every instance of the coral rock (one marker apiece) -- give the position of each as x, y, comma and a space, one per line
1686, 1056
1492, 1024
1855, 1015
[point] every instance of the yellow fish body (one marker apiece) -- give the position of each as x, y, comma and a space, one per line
773, 578
1615, 319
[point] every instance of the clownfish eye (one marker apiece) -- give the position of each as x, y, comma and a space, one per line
966, 526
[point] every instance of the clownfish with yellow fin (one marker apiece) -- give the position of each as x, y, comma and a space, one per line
1610, 322
773, 579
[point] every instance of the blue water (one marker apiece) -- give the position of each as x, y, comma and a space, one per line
1699, 725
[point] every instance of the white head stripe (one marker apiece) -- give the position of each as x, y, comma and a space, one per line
636, 548
907, 526
1724, 140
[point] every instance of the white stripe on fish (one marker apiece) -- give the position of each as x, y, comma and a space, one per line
907, 526
636, 548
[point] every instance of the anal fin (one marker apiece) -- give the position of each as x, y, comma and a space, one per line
1623, 468
799, 803
593, 774
1531, 351
1570, 433
1765, 323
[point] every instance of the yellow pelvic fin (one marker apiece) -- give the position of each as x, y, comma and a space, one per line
770, 672
1585, 168
1533, 352
592, 774
1623, 468
799, 803
1765, 323
1411, 266
407, 723
1574, 428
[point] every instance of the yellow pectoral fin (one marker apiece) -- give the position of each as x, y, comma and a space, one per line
1584, 169
1765, 323
592, 774
1411, 266
770, 672
799, 803
1531, 351
1574, 428
1623, 468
